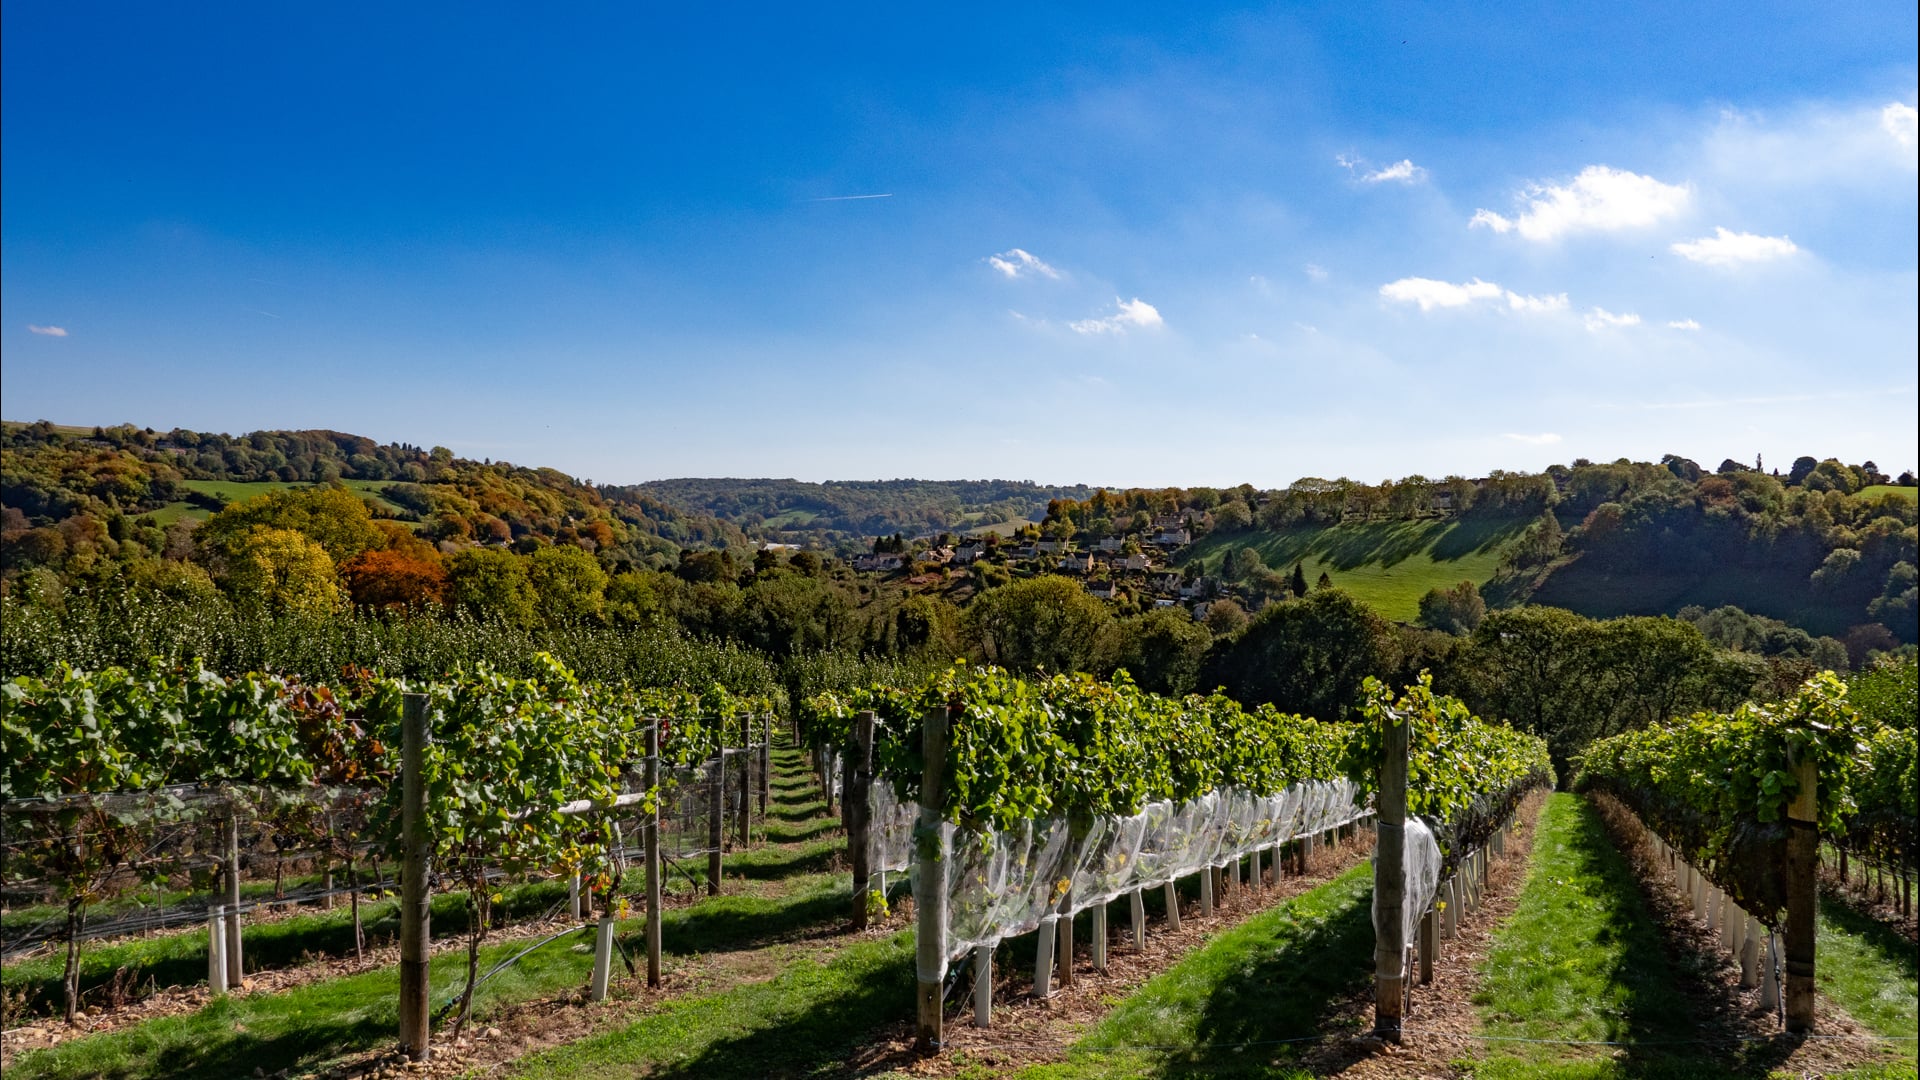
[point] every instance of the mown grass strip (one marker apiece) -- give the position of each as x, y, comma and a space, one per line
1228, 1008
1581, 958
807, 1020
1868, 970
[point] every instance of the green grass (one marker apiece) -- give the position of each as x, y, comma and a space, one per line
1868, 970
241, 490
1581, 957
804, 1021
1226, 1009
305, 1028
1877, 490
1388, 565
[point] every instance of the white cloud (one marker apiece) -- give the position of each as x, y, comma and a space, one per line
1545, 438
1728, 248
1600, 318
1431, 294
1683, 324
1132, 314
1538, 305
47, 331
1315, 271
1403, 171
1017, 262
1901, 121
1600, 199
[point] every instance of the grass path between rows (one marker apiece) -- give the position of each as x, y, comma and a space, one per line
1583, 959
1232, 1008
1869, 970
306, 1028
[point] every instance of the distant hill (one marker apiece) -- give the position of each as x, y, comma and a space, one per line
50, 474
792, 511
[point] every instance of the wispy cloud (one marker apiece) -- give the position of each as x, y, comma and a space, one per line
1315, 272
850, 198
1902, 121
1545, 438
1403, 171
1728, 248
1598, 319
1430, 294
1683, 324
47, 331
1134, 314
1600, 199
1018, 262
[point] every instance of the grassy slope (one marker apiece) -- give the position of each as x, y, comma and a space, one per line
1228, 1009
1877, 490
1386, 564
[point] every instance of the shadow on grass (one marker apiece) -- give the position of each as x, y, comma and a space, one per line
781, 864
1883, 939
719, 926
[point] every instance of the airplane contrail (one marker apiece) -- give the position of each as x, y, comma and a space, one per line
847, 198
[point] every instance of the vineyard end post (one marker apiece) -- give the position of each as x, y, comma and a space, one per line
653, 854
414, 901
716, 820
930, 910
1389, 884
1803, 839
859, 773
236, 969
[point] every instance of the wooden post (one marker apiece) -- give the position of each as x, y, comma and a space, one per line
1802, 885
653, 855
1137, 908
1429, 944
1452, 892
859, 804
1063, 945
1206, 891
415, 933
930, 911
573, 893
1254, 877
1173, 906
1100, 938
1389, 883
746, 795
236, 970
766, 763
982, 985
716, 820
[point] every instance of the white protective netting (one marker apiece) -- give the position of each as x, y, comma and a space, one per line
1002, 883
1420, 854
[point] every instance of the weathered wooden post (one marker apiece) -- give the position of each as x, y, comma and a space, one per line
859, 804
746, 793
653, 854
1389, 883
1429, 944
236, 970
930, 910
414, 902
1137, 909
716, 820
1063, 943
1100, 938
1803, 840
766, 763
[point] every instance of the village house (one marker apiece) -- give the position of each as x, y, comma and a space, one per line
1051, 547
969, 551
1112, 544
1101, 590
1136, 561
1172, 537
880, 562
1076, 563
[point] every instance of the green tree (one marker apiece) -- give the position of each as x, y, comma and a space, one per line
284, 570
1162, 649
1456, 610
488, 583
1045, 623
569, 584
1224, 617
1241, 564
1298, 582
1308, 656
334, 517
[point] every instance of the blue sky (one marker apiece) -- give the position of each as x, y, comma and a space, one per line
1121, 245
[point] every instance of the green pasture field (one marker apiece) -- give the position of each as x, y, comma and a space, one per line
1388, 565
1877, 490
